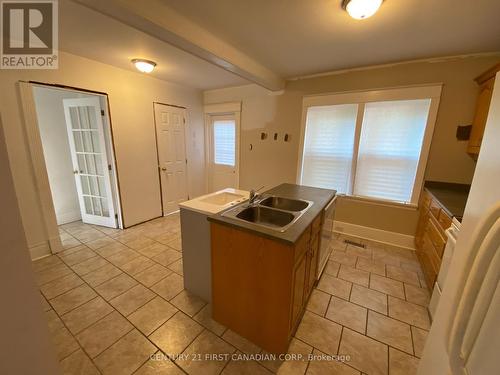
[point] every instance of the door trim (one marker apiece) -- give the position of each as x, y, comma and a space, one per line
220, 109
186, 124
37, 159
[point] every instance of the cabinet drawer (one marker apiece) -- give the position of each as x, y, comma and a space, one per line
444, 220
436, 236
302, 244
435, 208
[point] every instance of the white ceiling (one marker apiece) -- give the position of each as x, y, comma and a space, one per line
298, 37
90, 34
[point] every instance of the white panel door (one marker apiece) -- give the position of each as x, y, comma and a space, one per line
170, 136
223, 143
90, 160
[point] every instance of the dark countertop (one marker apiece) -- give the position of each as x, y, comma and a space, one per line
320, 197
453, 197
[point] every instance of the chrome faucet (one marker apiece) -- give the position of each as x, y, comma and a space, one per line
253, 195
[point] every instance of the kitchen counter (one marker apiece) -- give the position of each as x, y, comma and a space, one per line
319, 197
453, 197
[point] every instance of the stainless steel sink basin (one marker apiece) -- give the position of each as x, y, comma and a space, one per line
266, 216
276, 213
286, 204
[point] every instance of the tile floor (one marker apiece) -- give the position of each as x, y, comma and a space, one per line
115, 304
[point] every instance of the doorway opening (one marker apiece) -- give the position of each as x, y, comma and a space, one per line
75, 133
170, 124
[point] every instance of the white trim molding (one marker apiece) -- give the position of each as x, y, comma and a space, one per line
221, 108
376, 235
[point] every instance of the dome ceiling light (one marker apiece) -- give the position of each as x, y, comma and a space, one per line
361, 9
145, 66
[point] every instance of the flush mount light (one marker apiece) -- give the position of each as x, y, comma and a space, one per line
145, 66
361, 9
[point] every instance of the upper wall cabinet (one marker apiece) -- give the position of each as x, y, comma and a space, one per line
485, 82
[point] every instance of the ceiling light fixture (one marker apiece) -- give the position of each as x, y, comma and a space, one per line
145, 66
361, 9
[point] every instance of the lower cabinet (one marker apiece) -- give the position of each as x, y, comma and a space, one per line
260, 286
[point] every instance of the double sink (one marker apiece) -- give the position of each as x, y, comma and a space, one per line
272, 212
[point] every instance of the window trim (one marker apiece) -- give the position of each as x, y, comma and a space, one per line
432, 91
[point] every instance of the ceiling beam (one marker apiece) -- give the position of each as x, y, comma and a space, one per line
155, 18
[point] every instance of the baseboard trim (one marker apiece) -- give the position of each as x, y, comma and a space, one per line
377, 235
68, 217
40, 250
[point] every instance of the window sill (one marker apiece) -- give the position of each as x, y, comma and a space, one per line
379, 202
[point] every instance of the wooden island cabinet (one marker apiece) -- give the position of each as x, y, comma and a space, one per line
261, 285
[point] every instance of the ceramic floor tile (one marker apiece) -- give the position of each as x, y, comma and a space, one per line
398, 273
371, 266
417, 295
101, 275
122, 257
167, 257
60, 286
177, 267
318, 302
64, 342
72, 299
296, 364
419, 337
45, 305
132, 299
319, 332
359, 251
204, 317
401, 363
347, 314
52, 273
89, 265
152, 275
140, 242
100, 242
387, 286
332, 268
410, 313
78, 256
137, 265
244, 345
354, 275
188, 303
369, 298
45, 263
176, 334
206, 345
343, 258
159, 364
244, 367
389, 331
101, 335
87, 235
126, 355
152, 315
111, 249
335, 286
366, 354
78, 363
116, 286
152, 250
169, 287
87, 314
320, 366
338, 244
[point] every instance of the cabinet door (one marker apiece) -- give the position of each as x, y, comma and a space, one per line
312, 265
479, 122
300, 274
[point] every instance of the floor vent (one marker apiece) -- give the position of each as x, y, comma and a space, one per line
349, 242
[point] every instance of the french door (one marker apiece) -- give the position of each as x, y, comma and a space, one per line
90, 161
223, 143
170, 137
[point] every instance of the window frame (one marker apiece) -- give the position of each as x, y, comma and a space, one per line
432, 92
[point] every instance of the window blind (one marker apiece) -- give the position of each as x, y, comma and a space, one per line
392, 133
224, 142
328, 146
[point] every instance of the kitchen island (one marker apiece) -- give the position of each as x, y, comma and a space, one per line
262, 276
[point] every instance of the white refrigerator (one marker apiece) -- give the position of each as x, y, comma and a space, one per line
465, 334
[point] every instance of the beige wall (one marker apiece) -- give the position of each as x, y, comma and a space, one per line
25, 346
273, 162
131, 97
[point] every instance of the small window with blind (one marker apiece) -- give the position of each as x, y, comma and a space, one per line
224, 142
369, 144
